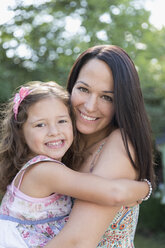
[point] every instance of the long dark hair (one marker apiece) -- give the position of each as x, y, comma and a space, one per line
130, 115
14, 152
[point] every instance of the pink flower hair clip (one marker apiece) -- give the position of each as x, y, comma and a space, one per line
19, 97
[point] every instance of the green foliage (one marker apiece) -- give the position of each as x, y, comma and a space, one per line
151, 225
149, 241
40, 43
151, 218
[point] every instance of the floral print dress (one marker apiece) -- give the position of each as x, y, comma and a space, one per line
120, 233
31, 222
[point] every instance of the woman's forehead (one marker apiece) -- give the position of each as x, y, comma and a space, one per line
96, 73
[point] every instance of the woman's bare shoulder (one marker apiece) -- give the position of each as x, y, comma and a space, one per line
115, 135
115, 139
113, 161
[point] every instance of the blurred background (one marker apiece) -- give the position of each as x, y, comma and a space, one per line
40, 40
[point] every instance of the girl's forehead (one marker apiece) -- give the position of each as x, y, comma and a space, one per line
50, 105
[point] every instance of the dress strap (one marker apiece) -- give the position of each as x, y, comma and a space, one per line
35, 160
12, 184
23, 172
95, 156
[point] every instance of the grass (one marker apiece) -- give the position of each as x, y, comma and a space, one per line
150, 240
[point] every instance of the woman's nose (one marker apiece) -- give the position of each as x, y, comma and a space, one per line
91, 103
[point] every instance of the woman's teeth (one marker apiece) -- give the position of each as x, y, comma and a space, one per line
88, 118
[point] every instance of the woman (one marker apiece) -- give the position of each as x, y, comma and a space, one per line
114, 140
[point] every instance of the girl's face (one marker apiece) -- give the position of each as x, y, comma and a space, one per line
48, 128
92, 98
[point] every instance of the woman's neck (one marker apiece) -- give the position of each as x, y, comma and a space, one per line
89, 140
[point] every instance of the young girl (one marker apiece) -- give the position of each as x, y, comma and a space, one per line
37, 131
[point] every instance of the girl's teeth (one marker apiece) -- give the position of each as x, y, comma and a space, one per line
55, 143
88, 118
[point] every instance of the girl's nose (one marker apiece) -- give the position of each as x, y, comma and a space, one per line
91, 103
53, 130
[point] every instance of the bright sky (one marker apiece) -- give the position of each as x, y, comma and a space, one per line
157, 8
5, 15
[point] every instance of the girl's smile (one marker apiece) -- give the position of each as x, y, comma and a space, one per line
48, 129
55, 144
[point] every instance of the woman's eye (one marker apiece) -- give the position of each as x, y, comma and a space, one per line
82, 89
107, 98
40, 125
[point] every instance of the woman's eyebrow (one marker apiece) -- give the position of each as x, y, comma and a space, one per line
104, 91
83, 83
108, 91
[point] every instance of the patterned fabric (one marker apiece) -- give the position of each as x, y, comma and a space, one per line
25, 232
36, 220
121, 231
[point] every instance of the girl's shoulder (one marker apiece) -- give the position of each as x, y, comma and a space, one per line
38, 159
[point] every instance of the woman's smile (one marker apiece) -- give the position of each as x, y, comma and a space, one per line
87, 117
92, 98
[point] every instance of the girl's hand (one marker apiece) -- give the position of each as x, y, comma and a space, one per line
134, 203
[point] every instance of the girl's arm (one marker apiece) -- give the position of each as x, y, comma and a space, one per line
88, 222
94, 188
54, 177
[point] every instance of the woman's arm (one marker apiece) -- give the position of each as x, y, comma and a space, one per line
88, 222
86, 225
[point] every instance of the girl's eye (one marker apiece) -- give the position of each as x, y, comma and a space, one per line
107, 98
62, 121
40, 125
83, 89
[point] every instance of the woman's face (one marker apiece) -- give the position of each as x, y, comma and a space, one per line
92, 98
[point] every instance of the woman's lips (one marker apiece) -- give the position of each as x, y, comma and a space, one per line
88, 118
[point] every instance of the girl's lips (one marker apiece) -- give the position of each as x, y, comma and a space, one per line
55, 144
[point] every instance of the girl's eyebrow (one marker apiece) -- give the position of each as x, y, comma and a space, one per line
63, 116
40, 120
36, 120
104, 91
